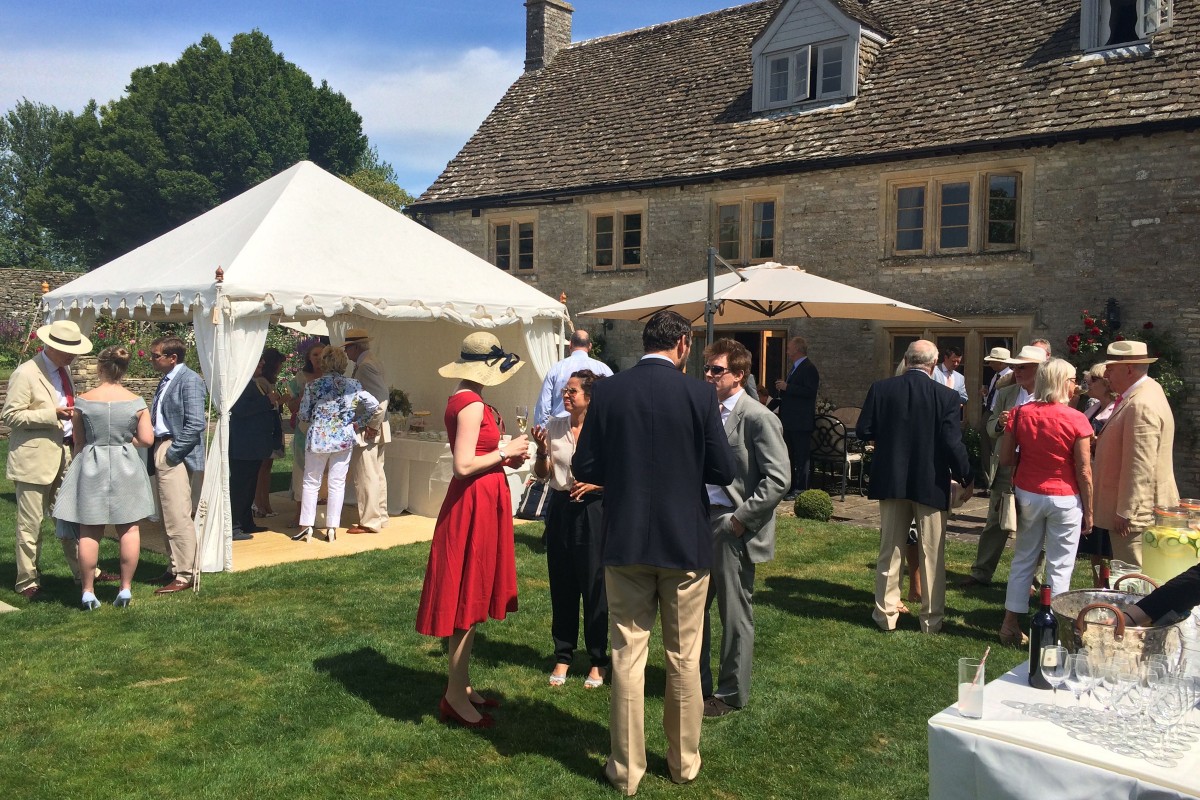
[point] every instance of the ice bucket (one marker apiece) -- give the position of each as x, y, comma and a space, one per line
1092, 618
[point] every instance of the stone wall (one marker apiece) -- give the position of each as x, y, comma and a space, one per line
21, 290
1109, 218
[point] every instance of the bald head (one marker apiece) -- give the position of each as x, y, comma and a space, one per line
580, 340
921, 354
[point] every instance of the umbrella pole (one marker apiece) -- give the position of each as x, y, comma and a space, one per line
708, 304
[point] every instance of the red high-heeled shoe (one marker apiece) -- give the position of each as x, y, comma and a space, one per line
483, 702
446, 713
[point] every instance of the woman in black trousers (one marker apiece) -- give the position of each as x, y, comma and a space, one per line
251, 441
573, 538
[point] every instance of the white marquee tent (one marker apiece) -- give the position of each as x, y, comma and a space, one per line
306, 245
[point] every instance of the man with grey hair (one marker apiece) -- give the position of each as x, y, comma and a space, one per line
914, 422
550, 402
366, 462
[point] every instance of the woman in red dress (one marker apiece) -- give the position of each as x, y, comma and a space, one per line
472, 571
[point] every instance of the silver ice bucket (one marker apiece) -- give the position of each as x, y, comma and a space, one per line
1092, 619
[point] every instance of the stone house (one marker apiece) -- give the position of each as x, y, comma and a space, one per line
1004, 163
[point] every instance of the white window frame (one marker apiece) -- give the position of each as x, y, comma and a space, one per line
618, 213
806, 73
932, 182
514, 222
1152, 17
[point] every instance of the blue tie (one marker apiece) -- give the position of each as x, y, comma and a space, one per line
158, 393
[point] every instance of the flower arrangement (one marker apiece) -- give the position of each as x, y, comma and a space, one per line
398, 402
1090, 343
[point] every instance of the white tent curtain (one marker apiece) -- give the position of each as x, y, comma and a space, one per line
228, 356
542, 340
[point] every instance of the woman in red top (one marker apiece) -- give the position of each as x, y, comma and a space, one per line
472, 571
1052, 481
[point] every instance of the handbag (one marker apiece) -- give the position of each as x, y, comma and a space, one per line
532, 504
1008, 500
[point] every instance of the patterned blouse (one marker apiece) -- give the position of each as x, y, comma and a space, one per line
331, 405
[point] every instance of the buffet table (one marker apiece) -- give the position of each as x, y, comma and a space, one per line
419, 470
1010, 755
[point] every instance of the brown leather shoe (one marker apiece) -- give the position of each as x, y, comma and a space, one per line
177, 585
972, 582
108, 577
30, 592
359, 529
716, 707
164, 579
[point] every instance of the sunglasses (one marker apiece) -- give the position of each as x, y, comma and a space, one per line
715, 371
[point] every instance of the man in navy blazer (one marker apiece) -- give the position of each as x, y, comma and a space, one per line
653, 439
798, 410
915, 424
177, 414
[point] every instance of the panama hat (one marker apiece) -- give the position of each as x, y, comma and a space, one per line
1128, 352
998, 355
1030, 354
356, 335
482, 360
64, 336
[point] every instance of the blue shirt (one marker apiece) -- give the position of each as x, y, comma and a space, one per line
550, 402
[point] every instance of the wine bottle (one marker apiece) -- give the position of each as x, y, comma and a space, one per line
1043, 632
1105, 574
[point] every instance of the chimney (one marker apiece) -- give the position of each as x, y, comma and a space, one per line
547, 30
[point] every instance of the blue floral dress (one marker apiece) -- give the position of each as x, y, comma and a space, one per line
331, 405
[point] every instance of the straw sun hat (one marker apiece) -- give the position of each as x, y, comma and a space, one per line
65, 336
1128, 352
998, 355
1029, 354
482, 361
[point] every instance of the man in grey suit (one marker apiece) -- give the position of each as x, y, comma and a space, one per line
177, 414
742, 516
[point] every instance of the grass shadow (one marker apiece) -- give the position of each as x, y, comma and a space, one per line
533, 542
573, 742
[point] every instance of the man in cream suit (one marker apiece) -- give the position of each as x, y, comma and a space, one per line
1133, 469
38, 408
742, 516
366, 463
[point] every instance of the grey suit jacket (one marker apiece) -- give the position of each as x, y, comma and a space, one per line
762, 473
369, 373
182, 411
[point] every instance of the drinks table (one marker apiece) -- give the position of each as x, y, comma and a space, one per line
1008, 754
419, 471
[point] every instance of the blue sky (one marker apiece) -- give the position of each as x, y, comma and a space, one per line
422, 73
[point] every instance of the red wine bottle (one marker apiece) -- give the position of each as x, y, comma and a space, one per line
1043, 632
1105, 574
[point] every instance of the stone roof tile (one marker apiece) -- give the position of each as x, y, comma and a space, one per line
673, 102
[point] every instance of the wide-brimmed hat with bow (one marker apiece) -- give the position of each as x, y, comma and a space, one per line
1029, 354
1129, 352
998, 355
482, 360
65, 336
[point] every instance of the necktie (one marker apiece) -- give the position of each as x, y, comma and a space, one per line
68, 390
162, 384
1117, 402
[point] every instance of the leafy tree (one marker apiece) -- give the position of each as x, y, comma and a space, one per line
188, 136
378, 179
26, 134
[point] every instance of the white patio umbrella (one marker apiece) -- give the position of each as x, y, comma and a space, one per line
769, 291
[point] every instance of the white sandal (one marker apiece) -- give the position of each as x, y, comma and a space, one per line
557, 680
593, 683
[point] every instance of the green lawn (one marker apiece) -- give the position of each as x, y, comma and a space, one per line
308, 680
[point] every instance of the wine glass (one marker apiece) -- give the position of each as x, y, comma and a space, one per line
1054, 667
1166, 708
522, 418
1079, 676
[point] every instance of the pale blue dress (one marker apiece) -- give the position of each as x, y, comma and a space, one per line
107, 483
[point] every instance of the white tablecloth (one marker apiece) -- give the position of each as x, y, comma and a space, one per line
1010, 755
419, 471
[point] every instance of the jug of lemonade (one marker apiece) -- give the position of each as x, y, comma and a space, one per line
1172, 544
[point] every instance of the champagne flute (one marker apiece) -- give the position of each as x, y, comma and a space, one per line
1054, 667
522, 418
1079, 676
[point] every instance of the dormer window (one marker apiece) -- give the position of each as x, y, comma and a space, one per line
809, 55
1109, 24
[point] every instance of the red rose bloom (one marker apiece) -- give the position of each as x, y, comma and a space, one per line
1148, 325
1119, 338
1094, 331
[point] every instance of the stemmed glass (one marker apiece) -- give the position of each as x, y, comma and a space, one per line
1079, 677
1054, 668
1167, 706
522, 418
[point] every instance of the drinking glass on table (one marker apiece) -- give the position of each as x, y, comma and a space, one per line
1079, 676
522, 418
1166, 708
1054, 667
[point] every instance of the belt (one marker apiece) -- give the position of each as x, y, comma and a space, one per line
166, 438
69, 441
717, 509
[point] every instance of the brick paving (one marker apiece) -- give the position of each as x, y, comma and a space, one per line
964, 526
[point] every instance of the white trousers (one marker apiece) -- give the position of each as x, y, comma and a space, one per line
314, 468
1043, 520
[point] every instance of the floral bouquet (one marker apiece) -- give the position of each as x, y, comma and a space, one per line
398, 402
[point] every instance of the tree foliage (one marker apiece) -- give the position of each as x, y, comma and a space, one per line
378, 179
27, 132
188, 136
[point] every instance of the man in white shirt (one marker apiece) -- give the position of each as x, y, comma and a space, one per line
996, 360
549, 402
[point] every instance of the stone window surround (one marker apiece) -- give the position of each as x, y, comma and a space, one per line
617, 210
514, 219
974, 173
747, 198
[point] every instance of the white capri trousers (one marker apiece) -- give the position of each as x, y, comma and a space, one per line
1052, 521
314, 467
